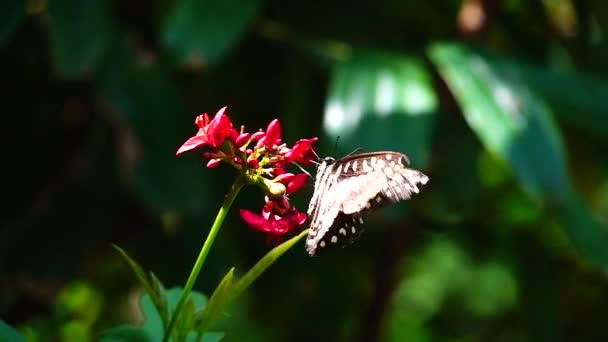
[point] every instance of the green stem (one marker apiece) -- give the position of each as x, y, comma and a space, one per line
215, 228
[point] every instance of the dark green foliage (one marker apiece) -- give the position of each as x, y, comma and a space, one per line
508, 242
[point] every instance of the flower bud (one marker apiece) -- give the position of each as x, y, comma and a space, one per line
275, 189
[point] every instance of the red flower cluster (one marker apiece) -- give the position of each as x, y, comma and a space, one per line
262, 164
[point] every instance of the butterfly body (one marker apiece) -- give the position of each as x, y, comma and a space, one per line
347, 189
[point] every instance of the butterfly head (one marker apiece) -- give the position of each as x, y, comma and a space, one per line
329, 160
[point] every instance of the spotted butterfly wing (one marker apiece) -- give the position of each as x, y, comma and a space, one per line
346, 190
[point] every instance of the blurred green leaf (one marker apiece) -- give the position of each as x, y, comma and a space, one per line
159, 290
216, 303
585, 105
151, 289
491, 289
227, 291
12, 14
584, 229
203, 31
127, 333
208, 337
149, 103
379, 101
515, 125
440, 268
79, 32
262, 265
153, 328
509, 119
8, 333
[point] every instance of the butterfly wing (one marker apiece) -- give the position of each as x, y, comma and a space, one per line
350, 188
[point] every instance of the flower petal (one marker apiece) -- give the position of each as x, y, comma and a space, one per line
297, 183
273, 132
242, 139
284, 178
219, 128
255, 221
233, 135
302, 151
213, 163
257, 135
192, 143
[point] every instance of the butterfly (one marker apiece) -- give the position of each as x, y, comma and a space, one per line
347, 189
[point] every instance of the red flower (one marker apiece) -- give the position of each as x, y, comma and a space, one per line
210, 133
301, 152
273, 133
272, 222
296, 183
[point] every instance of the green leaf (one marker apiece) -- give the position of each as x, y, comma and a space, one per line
586, 105
151, 290
262, 265
516, 126
8, 333
382, 102
216, 303
79, 33
509, 119
150, 105
127, 333
207, 337
584, 229
203, 31
159, 289
12, 14
227, 291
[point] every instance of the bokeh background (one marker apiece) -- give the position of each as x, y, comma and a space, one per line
504, 104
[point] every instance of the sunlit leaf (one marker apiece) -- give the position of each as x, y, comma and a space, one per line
511, 121
79, 34
203, 31
11, 15
516, 126
379, 101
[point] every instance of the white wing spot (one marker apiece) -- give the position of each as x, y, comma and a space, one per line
354, 165
334, 239
392, 164
360, 221
346, 166
379, 164
366, 167
389, 156
353, 229
378, 199
367, 205
322, 244
372, 161
343, 231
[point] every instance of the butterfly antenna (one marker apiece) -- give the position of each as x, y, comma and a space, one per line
316, 155
304, 170
355, 151
335, 145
